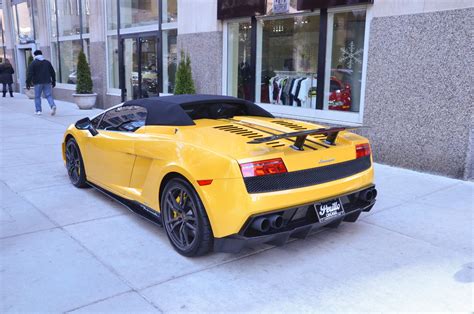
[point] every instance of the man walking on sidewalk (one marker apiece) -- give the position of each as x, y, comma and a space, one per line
41, 74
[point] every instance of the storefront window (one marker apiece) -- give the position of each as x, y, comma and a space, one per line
2, 38
54, 29
239, 73
67, 57
113, 59
289, 61
1, 23
23, 19
112, 18
345, 56
69, 17
170, 11
138, 13
86, 13
170, 60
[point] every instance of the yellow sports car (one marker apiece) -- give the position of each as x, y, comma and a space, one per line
220, 173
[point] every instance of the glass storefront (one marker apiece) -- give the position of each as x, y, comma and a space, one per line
133, 44
238, 60
23, 22
69, 22
345, 55
66, 59
140, 66
2, 36
69, 17
289, 61
170, 11
138, 13
170, 59
112, 18
113, 60
148, 67
288, 52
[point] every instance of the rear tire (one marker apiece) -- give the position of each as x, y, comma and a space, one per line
75, 165
185, 220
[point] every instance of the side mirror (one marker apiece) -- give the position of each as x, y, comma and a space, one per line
86, 124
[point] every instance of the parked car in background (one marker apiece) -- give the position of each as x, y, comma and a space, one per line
340, 95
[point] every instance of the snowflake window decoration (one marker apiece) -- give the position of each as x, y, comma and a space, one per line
351, 55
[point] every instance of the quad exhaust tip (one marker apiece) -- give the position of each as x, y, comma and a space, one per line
368, 195
261, 224
276, 221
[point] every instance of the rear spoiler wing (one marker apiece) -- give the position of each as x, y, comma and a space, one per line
331, 135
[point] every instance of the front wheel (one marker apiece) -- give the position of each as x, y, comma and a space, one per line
185, 219
75, 165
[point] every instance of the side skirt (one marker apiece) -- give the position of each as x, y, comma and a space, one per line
134, 206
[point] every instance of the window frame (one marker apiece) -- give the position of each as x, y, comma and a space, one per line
328, 116
159, 27
56, 57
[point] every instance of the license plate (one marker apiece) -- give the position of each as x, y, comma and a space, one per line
329, 210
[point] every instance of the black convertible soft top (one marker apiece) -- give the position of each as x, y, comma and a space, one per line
172, 110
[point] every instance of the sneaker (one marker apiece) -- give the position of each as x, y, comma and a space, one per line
38, 113
53, 110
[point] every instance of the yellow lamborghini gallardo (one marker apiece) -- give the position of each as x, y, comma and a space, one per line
220, 173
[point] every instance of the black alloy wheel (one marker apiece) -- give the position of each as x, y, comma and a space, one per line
74, 165
185, 219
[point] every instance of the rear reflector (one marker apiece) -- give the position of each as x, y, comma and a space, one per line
263, 167
204, 182
362, 150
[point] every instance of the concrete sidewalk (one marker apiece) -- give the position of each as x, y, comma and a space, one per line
64, 249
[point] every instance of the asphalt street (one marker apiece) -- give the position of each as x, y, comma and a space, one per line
64, 249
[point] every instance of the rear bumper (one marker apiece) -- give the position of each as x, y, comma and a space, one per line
294, 228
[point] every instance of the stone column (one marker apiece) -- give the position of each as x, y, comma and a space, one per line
200, 35
9, 37
43, 38
98, 53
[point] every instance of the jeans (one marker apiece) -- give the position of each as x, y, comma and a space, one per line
46, 89
9, 87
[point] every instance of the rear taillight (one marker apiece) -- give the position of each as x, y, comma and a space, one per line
362, 150
263, 167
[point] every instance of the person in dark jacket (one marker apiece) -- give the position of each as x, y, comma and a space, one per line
42, 75
6, 77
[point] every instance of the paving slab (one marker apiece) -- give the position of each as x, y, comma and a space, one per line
130, 302
30, 177
35, 139
17, 216
34, 123
50, 272
66, 204
457, 197
407, 184
447, 226
11, 115
31, 156
144, 245
350, 269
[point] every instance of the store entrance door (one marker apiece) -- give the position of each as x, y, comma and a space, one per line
24, 56
139, 64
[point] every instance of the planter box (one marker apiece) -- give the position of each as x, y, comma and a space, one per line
29, 93
85, 101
